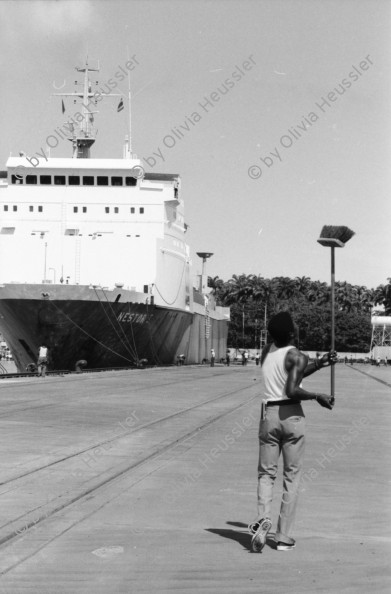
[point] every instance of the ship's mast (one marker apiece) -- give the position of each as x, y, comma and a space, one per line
83, 132
130, 111
128, 139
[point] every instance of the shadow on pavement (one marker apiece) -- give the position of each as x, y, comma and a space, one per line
243, 538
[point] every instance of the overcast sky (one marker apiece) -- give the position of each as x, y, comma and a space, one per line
282, 59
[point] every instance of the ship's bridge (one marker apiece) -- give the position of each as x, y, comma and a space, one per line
70, 163
20, 169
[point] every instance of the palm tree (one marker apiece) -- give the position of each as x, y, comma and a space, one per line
303, 285
286, 287
216, 284
345, 296
319, 293
238, 289
364, 298
382, 296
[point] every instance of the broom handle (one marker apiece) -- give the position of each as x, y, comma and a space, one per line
332, 368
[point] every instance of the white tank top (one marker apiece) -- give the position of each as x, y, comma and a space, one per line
275, 374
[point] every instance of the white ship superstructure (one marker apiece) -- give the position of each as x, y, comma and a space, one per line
93, 222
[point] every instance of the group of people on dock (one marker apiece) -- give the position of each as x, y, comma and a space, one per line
244, 357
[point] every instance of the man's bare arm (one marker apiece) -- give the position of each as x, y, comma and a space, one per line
329, 358
296, 364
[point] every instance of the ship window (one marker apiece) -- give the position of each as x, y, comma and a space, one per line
31, 179
141, 210
84, 209
17, 179
116, 181
88, 180
74, 180
40, 208
132, 210
131, 181
31, 208
116, 209
102, 180
14, 208
107, 209
45, 180
75, 209
5, 207
59, 180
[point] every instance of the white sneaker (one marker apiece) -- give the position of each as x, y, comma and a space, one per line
283, 546
258, 541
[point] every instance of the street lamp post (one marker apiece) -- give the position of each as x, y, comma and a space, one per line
203, 290
204, 281
263, 339
243, 326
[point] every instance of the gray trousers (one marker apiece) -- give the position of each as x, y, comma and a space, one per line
281, 431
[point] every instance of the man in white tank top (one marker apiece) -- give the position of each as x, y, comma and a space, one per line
282, 428
42, 360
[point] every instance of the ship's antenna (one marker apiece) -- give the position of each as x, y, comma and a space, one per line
130, 110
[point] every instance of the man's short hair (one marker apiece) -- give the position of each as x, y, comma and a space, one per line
281, 326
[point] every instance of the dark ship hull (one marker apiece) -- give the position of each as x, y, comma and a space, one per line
104, 328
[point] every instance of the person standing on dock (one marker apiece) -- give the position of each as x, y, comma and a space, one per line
227, 358
212, 357
282, 428
42, 362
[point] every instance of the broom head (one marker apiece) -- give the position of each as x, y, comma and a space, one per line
332, 236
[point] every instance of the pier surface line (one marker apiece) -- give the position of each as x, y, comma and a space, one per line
107, 441
376, 379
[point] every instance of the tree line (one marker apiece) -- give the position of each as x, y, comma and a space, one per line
254, 299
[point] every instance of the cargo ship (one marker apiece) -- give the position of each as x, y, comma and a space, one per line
93, 259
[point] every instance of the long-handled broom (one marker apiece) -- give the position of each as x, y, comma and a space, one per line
332, 237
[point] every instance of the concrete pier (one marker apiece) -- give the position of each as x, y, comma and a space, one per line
145, 481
